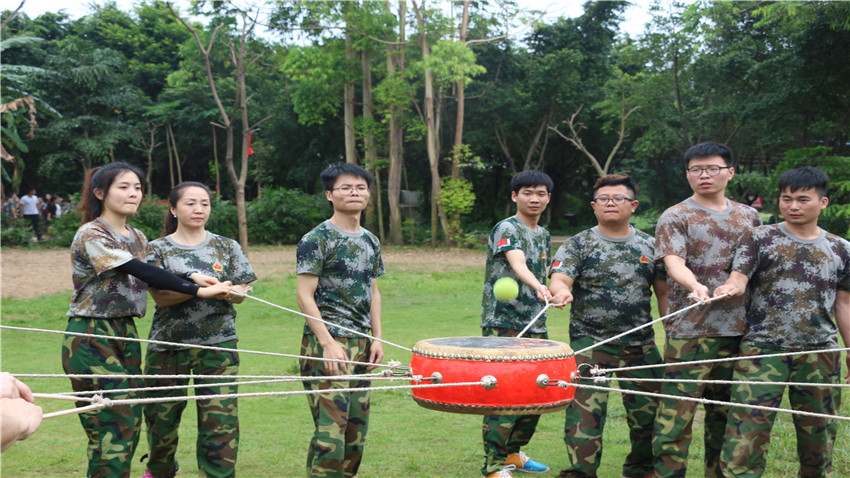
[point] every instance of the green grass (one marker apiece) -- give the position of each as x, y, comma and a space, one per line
404, 439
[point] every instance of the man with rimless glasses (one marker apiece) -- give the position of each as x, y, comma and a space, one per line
697, 239
608, 272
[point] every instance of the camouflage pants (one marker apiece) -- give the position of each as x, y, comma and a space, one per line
113, 432
505, 434
585, 418
748, 431
341, 418
673, 426
218, 420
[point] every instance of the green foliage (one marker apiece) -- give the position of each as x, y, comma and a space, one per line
745, 185
316, 72
16, 233
282, 216
224, 220
457, 199
150, 218
453, 61
63, 229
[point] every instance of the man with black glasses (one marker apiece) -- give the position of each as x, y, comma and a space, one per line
608, 272
697, 239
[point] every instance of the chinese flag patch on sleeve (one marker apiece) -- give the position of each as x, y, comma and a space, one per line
504, 242
556, 264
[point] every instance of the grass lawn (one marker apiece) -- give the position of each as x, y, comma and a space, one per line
404, 439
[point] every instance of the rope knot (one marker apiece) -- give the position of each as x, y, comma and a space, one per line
393, 364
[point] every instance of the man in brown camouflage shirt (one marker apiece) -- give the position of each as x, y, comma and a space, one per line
697, 239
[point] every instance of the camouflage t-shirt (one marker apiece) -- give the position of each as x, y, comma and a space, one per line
100, 290
793, 285
508, 235
707, 240
198, 321
613, 276
346, 263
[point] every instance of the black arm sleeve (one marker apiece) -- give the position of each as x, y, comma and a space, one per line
159, 278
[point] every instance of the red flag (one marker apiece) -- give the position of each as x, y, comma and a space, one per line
250, 151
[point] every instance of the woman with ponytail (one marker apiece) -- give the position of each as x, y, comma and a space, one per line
194, 321
110, 282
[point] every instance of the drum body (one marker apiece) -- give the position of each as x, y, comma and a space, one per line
526, 372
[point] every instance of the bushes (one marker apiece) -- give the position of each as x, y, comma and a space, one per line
282, 216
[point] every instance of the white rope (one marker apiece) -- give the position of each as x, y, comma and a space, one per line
603, 379
545, 308
287, 379
66, 396
596, 370
704, 401
182, 345
320, 320
153, 376
702, 302
105, 402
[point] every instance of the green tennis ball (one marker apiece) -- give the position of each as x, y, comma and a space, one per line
506, 289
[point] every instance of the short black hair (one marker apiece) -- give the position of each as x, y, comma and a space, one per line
616, 180
527, 179
806, 177
334, 171
707, 150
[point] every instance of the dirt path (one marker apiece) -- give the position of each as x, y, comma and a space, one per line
27, 274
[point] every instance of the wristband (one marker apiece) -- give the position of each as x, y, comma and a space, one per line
188, 275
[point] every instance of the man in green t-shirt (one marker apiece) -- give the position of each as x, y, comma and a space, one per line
518, 248
608, 272
338, 264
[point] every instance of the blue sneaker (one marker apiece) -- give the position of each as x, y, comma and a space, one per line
523, 463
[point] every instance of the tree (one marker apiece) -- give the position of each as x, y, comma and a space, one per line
242, 62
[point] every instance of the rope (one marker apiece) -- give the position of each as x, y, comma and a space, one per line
597, 344
599, 371
704, 401
603, 379
177, 344
538, 316
287, 379
105, 402
320, 320
153, 376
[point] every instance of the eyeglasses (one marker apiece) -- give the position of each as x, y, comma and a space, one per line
696, 171
618, 200
347, 189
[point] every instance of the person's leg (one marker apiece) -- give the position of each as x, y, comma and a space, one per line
716, 416
330, 414
815, 436
744, 453
218, 419
358, 410
163, 418
671, 437
640, 409
585, 417
113, 432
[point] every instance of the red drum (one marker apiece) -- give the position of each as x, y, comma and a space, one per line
526, 373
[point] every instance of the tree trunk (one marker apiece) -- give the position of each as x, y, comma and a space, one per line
217, 170
350, 141
461, 99
371, 150
176, 156
395, 66
170, 155
431, 135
